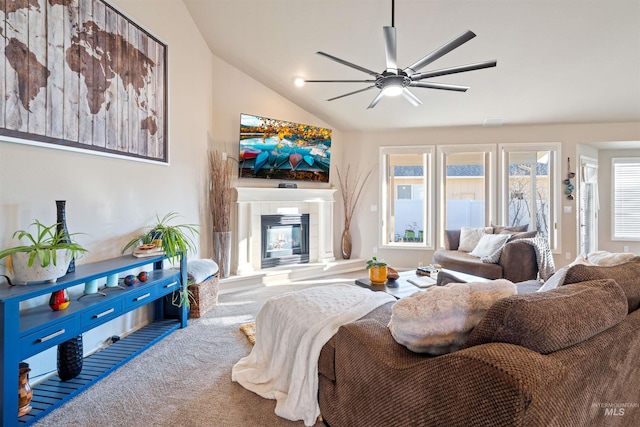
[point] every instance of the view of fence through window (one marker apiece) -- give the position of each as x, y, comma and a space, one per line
407, 194
529, 191
465, 190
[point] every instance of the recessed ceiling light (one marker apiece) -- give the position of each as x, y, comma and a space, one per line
298, 81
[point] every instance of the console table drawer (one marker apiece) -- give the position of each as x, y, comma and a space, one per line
139, 298
101, 314
48, 337
168, 286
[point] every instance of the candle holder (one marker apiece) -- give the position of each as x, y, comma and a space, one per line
91, 288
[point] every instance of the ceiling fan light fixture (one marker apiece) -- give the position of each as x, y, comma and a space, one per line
392, 90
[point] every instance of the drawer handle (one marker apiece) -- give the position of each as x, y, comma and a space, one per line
104, 313
53, 335
141, 297
170, 285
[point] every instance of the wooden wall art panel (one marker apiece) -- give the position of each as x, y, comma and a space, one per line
80, 74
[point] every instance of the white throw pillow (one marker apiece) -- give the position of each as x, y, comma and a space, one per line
488, 244
439, 320
469, 237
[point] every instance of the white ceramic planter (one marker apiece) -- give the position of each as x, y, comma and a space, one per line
22, 274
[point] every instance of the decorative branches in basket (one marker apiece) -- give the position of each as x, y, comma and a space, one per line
221, 171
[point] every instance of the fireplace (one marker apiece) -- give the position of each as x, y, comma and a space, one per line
285, 239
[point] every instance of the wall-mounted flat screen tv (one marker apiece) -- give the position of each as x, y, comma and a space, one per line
276, 149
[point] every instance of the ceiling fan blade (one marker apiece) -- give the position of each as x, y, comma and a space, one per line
454, 70
377, 99
339, 81
348, 64
390, 48
411, 97
440, 86
441, 51
352, 93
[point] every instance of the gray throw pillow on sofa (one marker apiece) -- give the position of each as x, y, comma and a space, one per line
550, 321
502, 229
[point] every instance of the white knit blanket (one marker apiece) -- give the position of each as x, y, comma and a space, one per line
291, 329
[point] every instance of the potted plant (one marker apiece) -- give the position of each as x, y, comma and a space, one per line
175, 239
377, 271
45, 259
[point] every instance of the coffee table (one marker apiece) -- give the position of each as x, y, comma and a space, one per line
402, 287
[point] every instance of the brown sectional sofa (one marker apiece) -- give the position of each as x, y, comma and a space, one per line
566, 357
517, 262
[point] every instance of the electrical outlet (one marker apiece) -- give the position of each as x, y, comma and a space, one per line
375, 250
625, 248
567, 255
374, 208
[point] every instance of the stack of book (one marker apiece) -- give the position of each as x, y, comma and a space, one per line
147, 250
429, 270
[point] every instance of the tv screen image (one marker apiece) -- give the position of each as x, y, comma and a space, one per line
277, 149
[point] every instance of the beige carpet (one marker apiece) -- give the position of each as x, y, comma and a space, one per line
185, 379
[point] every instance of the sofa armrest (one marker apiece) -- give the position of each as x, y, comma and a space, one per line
451, 239
518, 261
379, 382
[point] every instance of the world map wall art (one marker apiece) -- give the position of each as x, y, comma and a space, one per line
79, 74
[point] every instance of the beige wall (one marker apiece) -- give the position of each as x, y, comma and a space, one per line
364, 146
109, 199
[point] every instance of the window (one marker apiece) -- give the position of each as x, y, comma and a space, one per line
626, 198
407, 196
529, 188
467, 187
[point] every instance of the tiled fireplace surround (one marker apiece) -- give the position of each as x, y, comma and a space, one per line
252, 203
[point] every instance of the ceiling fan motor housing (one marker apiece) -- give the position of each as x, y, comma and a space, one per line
387, 79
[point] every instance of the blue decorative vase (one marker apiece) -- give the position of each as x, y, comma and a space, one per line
62, 226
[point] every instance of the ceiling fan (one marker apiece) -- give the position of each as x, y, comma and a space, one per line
394, 81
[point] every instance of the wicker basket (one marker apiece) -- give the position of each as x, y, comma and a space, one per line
205, 296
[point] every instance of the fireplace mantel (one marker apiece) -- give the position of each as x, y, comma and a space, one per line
252, 203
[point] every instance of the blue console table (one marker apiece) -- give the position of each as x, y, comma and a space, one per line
33, 330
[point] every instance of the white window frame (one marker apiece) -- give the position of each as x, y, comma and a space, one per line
490, 181
616, 161
427, 151
555, 236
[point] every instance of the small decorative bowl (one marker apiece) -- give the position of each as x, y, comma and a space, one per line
392, 274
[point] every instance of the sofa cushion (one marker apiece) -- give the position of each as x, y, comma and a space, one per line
469, 237
465, 263
439, 320
627, 275
550, 321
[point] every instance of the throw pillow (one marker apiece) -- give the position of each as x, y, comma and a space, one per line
627, 275
489, 244
498, 229
521, 235
609, 258
550, 321
439, 320
469, 237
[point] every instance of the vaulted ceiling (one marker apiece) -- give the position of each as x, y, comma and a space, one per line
559, 61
